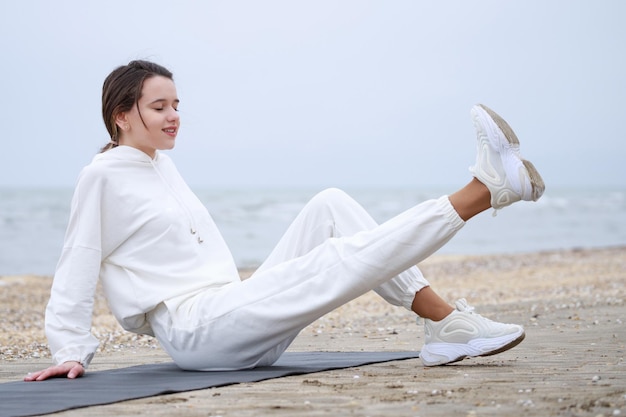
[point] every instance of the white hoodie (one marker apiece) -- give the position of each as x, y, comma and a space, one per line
134, 223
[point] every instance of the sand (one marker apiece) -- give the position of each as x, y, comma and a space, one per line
572, 303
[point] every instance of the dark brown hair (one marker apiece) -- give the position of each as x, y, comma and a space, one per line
122, 90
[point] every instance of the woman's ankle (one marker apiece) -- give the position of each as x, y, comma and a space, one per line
428, 305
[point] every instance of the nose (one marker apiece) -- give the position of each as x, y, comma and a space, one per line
173, 115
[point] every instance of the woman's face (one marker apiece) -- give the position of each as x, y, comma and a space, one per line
159, 110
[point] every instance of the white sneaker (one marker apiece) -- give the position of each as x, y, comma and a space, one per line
499, 164
463, 334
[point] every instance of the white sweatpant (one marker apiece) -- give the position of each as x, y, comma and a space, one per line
332, 253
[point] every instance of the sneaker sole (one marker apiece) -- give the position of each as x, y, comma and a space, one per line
452, 346
536, 182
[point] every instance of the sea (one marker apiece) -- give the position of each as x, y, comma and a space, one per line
252, 220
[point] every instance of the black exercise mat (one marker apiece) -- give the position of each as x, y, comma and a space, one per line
18, 399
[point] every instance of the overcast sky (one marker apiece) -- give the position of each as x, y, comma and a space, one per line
322, 93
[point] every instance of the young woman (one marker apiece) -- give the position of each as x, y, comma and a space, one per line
167, 272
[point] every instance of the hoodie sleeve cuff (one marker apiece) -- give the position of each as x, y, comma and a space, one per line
75, 354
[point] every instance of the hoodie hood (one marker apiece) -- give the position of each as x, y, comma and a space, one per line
126, 153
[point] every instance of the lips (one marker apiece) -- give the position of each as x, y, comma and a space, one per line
170, 130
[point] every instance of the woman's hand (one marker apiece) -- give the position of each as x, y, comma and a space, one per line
70, 369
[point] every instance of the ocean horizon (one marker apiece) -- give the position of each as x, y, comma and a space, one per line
252, 220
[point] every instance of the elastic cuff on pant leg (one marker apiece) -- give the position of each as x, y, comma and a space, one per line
456, 222
415, 286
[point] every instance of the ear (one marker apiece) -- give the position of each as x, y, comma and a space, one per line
121, 120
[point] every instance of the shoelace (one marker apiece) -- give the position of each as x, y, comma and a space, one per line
462, 305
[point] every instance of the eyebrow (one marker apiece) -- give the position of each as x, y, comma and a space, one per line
159, 100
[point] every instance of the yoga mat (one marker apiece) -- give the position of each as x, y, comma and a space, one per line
19, 399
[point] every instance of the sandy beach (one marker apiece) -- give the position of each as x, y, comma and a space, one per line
572, 303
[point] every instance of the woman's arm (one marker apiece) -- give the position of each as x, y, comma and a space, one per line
70, 308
